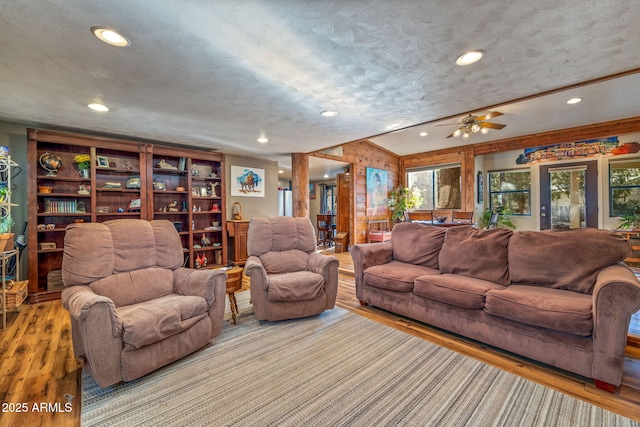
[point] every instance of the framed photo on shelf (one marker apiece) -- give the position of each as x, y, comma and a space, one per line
103, 161
204, 192
103, 209
134, 205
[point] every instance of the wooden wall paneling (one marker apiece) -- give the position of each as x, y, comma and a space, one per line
363, 154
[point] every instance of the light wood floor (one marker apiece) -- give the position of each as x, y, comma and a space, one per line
37, 364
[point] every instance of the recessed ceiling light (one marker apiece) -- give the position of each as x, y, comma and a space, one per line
98, 107
263, 139
574, 100
280, 171
470, 57
329, 113
110, 36
326, 175
423, 133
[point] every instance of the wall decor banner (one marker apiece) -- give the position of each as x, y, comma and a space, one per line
247, 181
376, 192
594, 147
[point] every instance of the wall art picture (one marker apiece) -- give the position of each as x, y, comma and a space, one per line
246, 181
590, 148
376, 192
312, 191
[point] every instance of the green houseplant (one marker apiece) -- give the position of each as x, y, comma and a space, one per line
6, 236
401, 199
503, 219
631, 218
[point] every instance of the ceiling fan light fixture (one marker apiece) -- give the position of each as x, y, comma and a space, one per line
574, 100
484, 131
470, 57
475, 128
110, 36
465, 135
457, 133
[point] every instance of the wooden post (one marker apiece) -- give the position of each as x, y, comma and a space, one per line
300, 184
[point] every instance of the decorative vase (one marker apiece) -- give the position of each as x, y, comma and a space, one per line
84, 173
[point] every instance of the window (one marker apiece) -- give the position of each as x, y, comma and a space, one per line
511, 191
439, 187
624, 186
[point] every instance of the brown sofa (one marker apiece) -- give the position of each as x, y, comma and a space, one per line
559, 297
133, 307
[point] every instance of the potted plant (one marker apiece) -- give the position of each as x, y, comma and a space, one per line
630, 220
502, 222
83, 162
6, 236
401, 199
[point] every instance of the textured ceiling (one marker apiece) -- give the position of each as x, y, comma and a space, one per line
217, 74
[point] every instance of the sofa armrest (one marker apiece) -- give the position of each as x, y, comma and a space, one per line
97, 333
209, 284
616, 296
366, 255
258, 285
79, 301
327, 266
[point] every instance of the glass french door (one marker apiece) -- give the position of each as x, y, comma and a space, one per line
569, 196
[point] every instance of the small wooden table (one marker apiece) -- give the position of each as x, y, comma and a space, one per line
234, 284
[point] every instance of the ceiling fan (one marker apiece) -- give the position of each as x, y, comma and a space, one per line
474, 124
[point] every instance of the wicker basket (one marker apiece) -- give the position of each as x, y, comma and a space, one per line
17, 294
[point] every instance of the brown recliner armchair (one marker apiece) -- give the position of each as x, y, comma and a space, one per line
289, 279
133, 307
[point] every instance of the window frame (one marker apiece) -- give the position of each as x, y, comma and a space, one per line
490, 193
636, 160
433, 184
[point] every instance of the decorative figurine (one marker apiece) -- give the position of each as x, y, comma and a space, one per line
163, 164
173, 206
204, 240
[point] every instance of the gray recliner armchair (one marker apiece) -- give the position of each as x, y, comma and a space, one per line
133, 307
288, 278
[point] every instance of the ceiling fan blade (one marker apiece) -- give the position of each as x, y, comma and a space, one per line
491, 125
451, 134
489, 115
449, 124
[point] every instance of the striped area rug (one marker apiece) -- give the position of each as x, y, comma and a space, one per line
336, 369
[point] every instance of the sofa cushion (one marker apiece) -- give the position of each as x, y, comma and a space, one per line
556, 309
135, 286
455, 289
395, 275
482, 254
567, 259
280, 234
417, 243
285, 261
153, 321
296, 286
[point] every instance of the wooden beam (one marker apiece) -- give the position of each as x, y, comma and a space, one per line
300, 184
578, 133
